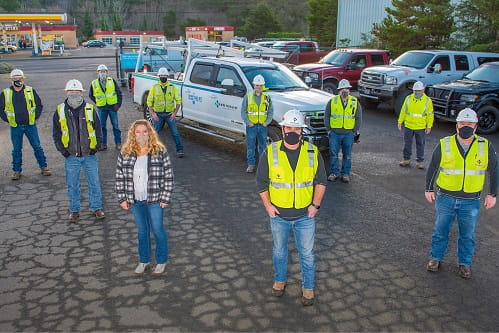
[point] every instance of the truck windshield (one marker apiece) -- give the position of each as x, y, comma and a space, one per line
485, 73
335, 58
413, 59
276, 78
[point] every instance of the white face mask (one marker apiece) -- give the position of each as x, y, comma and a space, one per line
75, 100
142, 140
102, 76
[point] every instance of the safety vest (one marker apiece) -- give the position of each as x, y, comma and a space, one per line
343, 117
460, 174
163, 102
29, 96
414, 114
288, 188
89, 118
257, 114
110, 97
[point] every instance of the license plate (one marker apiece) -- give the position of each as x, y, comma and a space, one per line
366, 91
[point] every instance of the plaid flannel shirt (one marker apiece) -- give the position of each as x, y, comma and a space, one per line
159, 183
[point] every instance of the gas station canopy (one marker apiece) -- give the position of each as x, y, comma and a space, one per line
33, 18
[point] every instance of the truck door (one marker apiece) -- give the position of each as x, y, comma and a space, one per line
354, 67
446, 74
198, 93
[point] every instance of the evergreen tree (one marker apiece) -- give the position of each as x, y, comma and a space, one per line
87, 28
143, 24
322, 21
260, 21
10, 5
169, 24
477, 24
116, 20
415, 24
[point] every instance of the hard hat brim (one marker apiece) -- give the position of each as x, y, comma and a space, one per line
283, 123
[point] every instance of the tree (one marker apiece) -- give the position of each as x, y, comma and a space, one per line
87, 29
260, 21
415, 24
116, 20
169, 24
322, 20
10, 5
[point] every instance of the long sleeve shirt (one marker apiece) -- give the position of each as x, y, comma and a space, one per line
258, 99
103, 87
358, 119
20, 109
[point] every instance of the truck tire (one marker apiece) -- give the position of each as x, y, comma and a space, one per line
400, 101
330, 87
274, 134
368, 103
488, 119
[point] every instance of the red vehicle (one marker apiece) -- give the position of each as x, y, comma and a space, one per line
300, 51
340, 64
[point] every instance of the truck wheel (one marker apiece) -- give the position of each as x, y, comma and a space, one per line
400, 101
368, 103
488, 119
274, 134
331, 88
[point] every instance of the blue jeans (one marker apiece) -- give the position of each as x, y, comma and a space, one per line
147, 217
172, 125
89, 164
420, 140
345, 141
466, 211
104, 112
257, 132
304, 233
16, 136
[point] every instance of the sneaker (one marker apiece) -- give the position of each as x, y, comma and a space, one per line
332, 177
464, 271
180, 154
278, 289
142, 267
160, 268
16, 175
99, 214
405, 163
433, 266
45, 171
250, 169
420, 165
103, 147
118, 146
345, 179
74, 216
307, 297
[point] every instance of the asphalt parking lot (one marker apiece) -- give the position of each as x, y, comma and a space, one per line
372, 242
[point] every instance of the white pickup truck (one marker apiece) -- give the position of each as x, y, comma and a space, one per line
213, 89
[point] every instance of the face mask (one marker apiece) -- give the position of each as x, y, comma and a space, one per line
292, 138
344, 94
18, 83
163, 79
466, 132
75, 100
142, 140
418, 94
102, 76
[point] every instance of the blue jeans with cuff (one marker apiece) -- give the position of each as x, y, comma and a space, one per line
89, 164
255, 134
104, 112
345, 142
16, 136
420, 142
172, 125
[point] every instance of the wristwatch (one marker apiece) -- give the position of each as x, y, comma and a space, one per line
315, 206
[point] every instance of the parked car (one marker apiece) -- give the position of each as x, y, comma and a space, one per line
58, 45
95, 43
300, 51
479, 90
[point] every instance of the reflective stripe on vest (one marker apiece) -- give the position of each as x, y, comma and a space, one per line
288, 188
110, 97
423, 114
257, 114
162, 102
89, 119
343, 117
460, 174
29, 97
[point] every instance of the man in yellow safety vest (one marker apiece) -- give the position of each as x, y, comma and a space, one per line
292, 181
458, 168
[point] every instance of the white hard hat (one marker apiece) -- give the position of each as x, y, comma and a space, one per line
102, 68
344, 84
467, 115
17, 73
163, 71
74, 85
418, 86
259, 80
293, 118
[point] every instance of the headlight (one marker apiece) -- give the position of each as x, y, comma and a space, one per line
468, 98
390, 80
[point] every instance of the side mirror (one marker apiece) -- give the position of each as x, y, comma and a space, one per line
349, 66
308, 79
227, 83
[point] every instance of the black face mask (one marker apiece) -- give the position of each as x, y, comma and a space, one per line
18, 83
292, 138
466, 132
163, 79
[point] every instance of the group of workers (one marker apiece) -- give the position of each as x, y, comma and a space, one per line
290, 173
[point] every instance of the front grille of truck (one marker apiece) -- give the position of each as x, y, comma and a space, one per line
371, 77
315, 119
442, 99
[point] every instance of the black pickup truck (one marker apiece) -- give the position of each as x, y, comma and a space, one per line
479, 90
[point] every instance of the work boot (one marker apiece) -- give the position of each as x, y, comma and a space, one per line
433, 266
332, 177
180, 154
142, 267
103, 147
405, 163
160, 268
420, 165
73, 217
16, 175
118, 146
464, 271
46, 171
345, 179
307, 297
278, 289
250, 169
99, 214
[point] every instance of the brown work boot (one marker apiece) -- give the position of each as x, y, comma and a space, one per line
405, 163
46, 171
16, 175
278, 289
464, 271
99, 214
332, 177
433, 266
73, 217
250, 169
103, 147
307, 297
420, 165
345, 179
118, 146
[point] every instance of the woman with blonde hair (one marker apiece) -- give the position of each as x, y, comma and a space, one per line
144, 183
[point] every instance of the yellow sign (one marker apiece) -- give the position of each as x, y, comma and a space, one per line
60, 18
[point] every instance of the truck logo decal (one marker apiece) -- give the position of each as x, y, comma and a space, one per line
194, 99
218, 104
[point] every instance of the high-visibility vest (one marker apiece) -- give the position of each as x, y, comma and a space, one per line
163, 101
288, 188
257, 114
343, 117
89, 118
414, 114
109, 97
460, 174
29, 96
